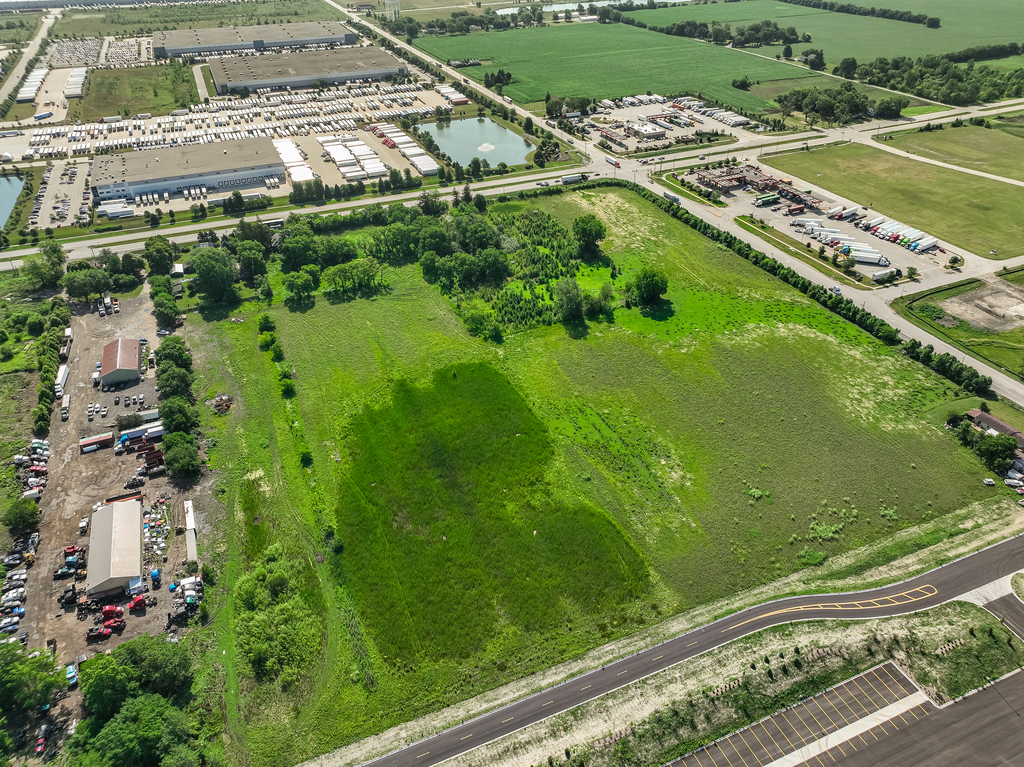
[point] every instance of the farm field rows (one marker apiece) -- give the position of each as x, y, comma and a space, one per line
138, 21
984, 149
865, 38
607, 61
975, 213
459, 514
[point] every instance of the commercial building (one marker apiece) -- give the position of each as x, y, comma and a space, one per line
121, 361
645, 130
302, 69
192, 42
115, 547
226, 166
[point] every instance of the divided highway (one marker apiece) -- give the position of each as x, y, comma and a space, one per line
928, 590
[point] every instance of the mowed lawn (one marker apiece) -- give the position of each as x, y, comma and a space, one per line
975, 213
111, 91
983, 149
608, 61
494, 510
841, 35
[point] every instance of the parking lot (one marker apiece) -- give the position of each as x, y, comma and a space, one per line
77, 482
803, 730
64, 194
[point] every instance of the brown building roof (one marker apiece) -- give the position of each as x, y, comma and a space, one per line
988, 421
122, 354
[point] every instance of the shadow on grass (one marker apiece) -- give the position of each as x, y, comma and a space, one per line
661, 310
300, 304
576, 329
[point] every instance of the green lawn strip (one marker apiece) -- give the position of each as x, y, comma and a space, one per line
977, 213
1002, 409
797, 250
674, 185
211, 86
926, 109
606, 61
1000, 349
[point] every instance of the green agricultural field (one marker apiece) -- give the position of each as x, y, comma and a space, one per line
158, 90
983, 149
458, 514
607, 61
139, 21
975, 213
864, 38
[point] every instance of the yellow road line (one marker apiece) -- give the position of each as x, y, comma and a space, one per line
587, 687
507, 720
914, 595
658, 658
548, 703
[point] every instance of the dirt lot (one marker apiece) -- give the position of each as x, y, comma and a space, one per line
998, 306
77, 482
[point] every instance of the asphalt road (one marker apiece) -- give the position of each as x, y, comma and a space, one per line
982, 730
918, 593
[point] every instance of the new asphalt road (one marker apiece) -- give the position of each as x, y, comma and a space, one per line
918, 593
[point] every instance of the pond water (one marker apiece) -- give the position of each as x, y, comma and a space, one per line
480, 137
10, 188
548, 8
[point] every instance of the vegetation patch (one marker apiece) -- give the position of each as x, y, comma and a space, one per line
157, 90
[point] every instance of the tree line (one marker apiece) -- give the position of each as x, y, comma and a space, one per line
932, 22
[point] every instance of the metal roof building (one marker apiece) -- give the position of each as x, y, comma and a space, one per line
222, 166
121, 361
187, 42
115, 546
302, 69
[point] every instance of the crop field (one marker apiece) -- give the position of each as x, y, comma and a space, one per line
607, 61
460, 514
147, 89
864, 37
975, 213
984, 149
124, 22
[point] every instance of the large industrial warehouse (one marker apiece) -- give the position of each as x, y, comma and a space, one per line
302, 69
115, 547
192, 42
226, 166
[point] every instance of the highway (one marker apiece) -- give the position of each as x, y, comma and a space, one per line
919, 593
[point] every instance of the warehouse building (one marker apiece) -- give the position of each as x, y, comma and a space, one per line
227, 165
115, 547
193, 42
122, 360
303, 69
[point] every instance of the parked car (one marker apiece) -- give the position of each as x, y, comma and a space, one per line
72, 674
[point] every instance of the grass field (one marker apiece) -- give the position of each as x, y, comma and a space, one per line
124, 22
983, 149
864, 37
772, 88
467, 514
606, 61
968, 211
158, 90
19, 28
1011, 124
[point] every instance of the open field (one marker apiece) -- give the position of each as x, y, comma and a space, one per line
972, 212
19, 28
772, 88
1013, 124
979, 316
863, 37
984, 149
608, 60
129, 22
158, 90
459, 514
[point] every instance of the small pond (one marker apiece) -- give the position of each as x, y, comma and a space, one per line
10, 188
480, 137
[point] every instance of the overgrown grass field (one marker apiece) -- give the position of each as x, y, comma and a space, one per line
460, 514
984, 149
975, 213
607, 61
158, 90
772, 88
124, 22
